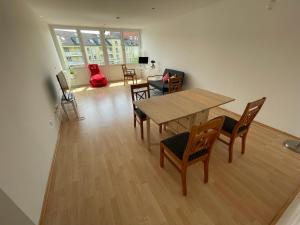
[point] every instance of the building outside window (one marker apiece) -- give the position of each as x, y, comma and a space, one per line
93, 47
69, 45
113, 43
116, 45
132, 46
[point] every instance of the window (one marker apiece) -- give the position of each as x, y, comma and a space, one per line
79, 46
132, 46
69, 45
113, 42
92, 46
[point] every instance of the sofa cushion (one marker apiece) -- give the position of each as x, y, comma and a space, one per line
159, 84
164, 87
166, 78
174, 72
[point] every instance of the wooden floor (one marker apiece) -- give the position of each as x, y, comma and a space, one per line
105, 175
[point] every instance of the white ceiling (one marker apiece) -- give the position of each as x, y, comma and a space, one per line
100, 13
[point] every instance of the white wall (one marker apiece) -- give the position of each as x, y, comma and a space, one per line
240, 49
10, 213
28, 63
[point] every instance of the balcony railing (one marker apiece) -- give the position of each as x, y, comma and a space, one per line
73, 53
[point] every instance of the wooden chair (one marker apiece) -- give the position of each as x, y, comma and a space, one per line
139, 92
233, 128
129, 74
187, 148
175, 84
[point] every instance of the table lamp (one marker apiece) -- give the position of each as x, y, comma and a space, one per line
153, 64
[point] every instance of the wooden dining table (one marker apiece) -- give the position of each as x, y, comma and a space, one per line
193, 103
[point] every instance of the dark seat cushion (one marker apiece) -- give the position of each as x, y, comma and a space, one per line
177, 144
140, 113
160, 85
229, 125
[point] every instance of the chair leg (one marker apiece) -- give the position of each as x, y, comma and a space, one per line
142, 129
134, 120
75, 109
231, 149
160, 128
206, 163
65, 111
162, 156
183, 179
244, 137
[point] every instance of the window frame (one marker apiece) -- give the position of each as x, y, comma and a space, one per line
102, 39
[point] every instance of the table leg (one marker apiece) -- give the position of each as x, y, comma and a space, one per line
202, 117
199, 118
148, 133
192, 120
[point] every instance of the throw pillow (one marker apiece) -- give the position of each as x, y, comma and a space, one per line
166, 78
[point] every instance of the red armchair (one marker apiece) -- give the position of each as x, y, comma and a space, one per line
97, 79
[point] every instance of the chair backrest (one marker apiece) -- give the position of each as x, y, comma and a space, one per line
203, 137
175, 84
250, 113
124, 69
139, 92
94, 69
63, 83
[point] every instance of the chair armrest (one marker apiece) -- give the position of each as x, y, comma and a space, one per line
131, 71
152, 76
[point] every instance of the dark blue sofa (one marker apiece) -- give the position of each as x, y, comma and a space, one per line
159, 84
